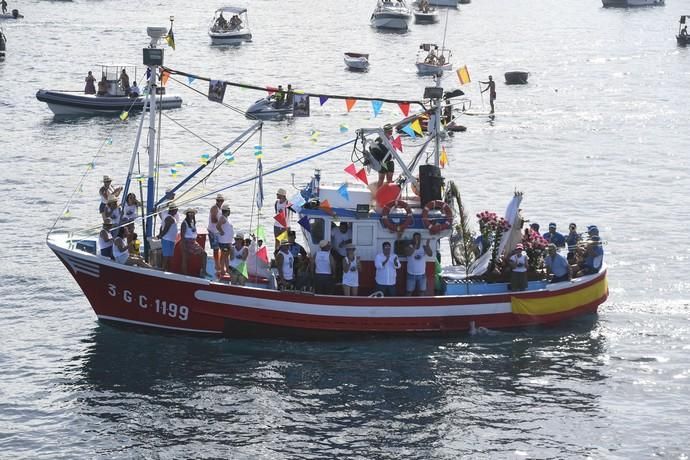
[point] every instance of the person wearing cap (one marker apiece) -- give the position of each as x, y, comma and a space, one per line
225, 235
592, 230
105, 239
112, 210
296, 249
237, 256
572, 241
105, 192
380, 152
168, 235
190, 246
281, 205
552, 236
213, 215
518, 265
593, 256
351, 268
416, 265
556, 265
324, 267
285, 262
387, 264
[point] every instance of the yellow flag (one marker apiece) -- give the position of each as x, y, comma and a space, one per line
124, 116
443, 160
463, 75
282, 236
417, 127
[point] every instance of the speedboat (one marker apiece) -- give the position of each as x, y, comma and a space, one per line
356, 61
683, 38
230, 30
267, 108
431, 60
13, 15
631, 3
429, 16
517, 77
391, 15
113, 100
393, 226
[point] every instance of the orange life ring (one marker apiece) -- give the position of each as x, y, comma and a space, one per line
445, 209
389, 224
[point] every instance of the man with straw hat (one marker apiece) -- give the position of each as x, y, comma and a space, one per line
281, 205
105, 192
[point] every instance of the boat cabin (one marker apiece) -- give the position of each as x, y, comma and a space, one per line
112, 73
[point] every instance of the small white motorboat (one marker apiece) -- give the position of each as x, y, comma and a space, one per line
631, 3
233, 31
433, 61
427, 16
391, 15
356, 61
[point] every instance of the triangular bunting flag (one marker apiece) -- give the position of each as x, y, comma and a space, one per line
322, 100
362, 175
190, 79
443, 160
407, 129
376, 107
397, 143
164, 77
304, 222
270, 90
342, 191
350, 103
260, 233
242, 268
282, 236
351, 170
404, 107
262, 254
417, 127
280, 218
326, 207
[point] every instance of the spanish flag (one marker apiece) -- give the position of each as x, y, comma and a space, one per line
463, 75
170, 38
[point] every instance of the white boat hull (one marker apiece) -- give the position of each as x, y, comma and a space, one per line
429, 69
390, 21
357, 63
65, 104
230, 38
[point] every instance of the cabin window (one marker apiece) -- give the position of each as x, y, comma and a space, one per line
317, 229
364, 235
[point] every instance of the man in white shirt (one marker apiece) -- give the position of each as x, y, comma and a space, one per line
416, 265
386, 264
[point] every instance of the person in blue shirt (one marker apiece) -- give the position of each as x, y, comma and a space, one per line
593, 258
556, 265
552, 236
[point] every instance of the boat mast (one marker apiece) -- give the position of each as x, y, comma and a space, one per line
153, 58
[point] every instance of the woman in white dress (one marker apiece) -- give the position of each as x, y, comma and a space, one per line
351, 268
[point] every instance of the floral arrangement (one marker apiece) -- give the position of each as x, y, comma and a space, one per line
492, 229
535, 247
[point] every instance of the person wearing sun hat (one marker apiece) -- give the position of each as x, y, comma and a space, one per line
105, 239
281, 205
105, 192
190, 246
518, 268
324, 267
214, 215
238, 255
112, 210
225, 234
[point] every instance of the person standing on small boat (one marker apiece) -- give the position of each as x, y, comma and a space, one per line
105, 239
572, 240
222, 239
89, 87
351, 268
285, 262
491, 88
214, 215
102, 86
189, 244
324, 267
4, 6
289, 96
387, 265
416, 265
168, 235
280, 96
518, 266
124, 81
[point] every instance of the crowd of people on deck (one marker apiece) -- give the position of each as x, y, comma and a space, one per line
334, 263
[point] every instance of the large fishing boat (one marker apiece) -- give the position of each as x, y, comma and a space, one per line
470, 295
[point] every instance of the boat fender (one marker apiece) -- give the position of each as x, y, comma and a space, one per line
437, 227
389, 224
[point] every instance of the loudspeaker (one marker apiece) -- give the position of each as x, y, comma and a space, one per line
430, 183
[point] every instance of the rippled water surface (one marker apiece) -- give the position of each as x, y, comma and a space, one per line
599, 135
